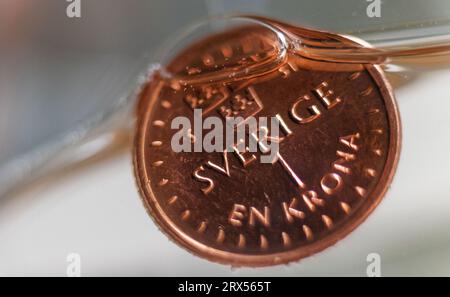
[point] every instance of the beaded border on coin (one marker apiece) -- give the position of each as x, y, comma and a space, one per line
235, 259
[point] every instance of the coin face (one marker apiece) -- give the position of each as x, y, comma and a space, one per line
338, 149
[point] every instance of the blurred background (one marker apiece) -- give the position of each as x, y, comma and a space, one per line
66, 95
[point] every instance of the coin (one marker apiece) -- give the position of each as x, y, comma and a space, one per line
337, 155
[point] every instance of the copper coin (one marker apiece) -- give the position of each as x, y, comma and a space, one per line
338, 153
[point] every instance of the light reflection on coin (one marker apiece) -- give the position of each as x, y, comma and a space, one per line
337, 157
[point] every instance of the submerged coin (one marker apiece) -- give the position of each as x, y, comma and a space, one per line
337, 156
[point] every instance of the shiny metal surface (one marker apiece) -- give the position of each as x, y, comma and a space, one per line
333, 168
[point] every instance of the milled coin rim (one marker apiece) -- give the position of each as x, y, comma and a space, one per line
241, 259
